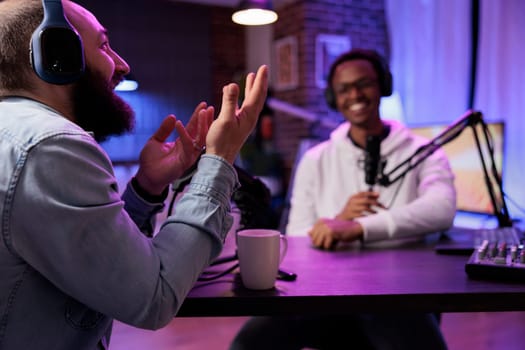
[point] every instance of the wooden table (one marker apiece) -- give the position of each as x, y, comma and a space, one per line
410, 278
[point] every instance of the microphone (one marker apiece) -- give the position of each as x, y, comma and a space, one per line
372, 159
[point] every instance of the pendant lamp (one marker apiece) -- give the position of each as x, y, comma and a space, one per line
255, 13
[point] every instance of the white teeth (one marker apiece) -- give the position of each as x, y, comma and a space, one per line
357, 106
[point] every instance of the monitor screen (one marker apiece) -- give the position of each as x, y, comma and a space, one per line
463, 154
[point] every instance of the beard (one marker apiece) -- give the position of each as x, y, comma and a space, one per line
98, 109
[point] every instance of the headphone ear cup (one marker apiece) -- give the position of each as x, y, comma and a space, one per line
56, 50
387, 81
330, 98
387, 87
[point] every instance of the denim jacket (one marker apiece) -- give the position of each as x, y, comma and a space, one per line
72, 255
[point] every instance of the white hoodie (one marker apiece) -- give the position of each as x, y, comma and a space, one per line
328, 174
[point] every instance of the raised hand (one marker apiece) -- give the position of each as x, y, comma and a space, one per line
360, 204
232, 127
161, 162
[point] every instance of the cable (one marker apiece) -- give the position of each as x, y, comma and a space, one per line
396, 192
218, 274
218, 261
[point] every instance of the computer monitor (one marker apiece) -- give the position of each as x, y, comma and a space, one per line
463, 154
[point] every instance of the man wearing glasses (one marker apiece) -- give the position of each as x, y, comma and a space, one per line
337, 202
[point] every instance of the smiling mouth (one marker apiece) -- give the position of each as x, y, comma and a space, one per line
356, 107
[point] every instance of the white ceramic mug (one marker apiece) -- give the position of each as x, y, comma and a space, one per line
260, 253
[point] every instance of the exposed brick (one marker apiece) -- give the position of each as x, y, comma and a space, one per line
363, 21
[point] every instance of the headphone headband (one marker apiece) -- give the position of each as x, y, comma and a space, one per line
380, 65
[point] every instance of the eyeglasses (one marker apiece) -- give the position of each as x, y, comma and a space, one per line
359, 85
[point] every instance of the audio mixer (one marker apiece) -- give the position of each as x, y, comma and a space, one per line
497, 261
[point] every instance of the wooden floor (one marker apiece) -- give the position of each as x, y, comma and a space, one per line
479, 331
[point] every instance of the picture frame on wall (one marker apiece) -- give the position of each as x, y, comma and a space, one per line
327, 48
285, 55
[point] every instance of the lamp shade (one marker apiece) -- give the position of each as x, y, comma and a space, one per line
255, 13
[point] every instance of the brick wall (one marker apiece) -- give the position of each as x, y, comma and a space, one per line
363, 21
228, 52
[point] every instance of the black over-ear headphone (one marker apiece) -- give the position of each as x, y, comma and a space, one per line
381, 67
56, 51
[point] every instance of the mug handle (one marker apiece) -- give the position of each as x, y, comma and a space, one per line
283, 246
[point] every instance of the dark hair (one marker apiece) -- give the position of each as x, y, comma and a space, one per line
378, 62
18, 20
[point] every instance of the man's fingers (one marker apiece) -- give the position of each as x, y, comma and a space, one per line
230, 96
192, 125
328, 242
181, 130
257, 87
165, 129
250, 78
205, 120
